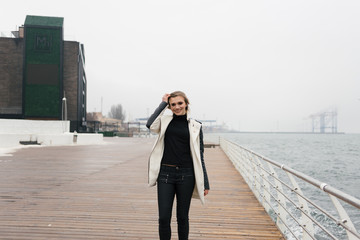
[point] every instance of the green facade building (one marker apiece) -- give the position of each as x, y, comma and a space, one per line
43, 67
40, 72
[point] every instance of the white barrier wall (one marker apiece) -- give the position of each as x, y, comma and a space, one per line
20, 126
49, 133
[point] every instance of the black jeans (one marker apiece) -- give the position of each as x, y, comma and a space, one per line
180, 182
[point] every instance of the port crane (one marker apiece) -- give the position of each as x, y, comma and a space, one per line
323, 121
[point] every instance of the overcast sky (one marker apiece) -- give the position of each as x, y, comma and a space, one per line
254, 65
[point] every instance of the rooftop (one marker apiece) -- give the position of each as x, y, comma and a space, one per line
44, 21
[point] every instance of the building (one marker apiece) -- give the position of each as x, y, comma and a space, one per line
41, 75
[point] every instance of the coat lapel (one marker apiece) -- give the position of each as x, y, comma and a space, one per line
194, 128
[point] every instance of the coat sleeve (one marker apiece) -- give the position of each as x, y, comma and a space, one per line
206, 179
153, 123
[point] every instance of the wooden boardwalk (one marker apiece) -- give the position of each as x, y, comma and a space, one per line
101, 192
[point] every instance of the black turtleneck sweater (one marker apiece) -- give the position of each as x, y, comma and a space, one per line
177, 143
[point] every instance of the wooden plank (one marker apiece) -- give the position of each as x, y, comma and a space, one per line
101, 192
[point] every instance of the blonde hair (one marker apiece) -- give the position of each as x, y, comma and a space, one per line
181, 94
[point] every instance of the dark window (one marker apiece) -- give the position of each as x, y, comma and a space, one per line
47, 74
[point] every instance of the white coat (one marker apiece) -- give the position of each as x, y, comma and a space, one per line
159, 126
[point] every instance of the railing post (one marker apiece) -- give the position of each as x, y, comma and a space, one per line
253, 177
305, 221
266, 187
281, 201
345, 219
247, 168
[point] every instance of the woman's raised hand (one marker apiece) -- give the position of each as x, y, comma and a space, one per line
166, 97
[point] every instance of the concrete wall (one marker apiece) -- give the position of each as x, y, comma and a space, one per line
49, 133
19, 126
11, 75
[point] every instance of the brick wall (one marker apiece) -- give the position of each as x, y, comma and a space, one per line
71, 50
11, 75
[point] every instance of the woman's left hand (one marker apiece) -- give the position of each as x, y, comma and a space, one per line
206, 192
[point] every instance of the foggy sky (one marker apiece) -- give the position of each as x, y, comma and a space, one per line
254, 65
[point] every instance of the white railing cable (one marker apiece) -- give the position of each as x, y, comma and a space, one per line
345, 222
323, 186
282, 218
268, 189
300, 208
309, 232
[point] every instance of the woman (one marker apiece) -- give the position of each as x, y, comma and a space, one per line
176, 162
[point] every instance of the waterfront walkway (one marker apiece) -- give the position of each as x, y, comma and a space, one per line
101, 192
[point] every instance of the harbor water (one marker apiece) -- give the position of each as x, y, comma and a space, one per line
330, 158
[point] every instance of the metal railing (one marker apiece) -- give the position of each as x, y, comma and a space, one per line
296, 213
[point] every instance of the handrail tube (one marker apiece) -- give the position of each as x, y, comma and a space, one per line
303, 197
297, 207
326, 213
259, 178
326, 188
323, 186
311, 202
290, 214
337, 195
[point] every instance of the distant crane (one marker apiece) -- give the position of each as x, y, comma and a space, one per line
324, 120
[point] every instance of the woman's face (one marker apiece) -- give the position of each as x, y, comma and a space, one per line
178, 105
